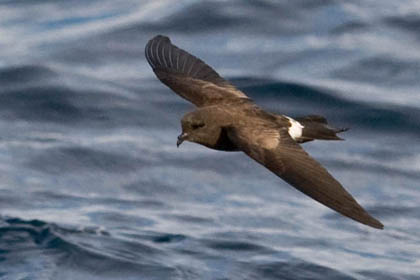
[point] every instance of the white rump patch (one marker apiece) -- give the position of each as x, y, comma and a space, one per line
295, 130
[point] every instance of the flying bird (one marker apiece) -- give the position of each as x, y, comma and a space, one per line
227, 120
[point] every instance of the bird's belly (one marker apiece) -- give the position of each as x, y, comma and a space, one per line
226, 148
224, 143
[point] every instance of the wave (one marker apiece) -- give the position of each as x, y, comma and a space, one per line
194, 18
18, 75
382, 71
409, 23
95, 253
36, 93
77, 159
98, 254
63, 104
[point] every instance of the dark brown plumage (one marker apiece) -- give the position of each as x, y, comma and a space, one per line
226, 119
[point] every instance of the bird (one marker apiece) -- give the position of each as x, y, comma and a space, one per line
226, 119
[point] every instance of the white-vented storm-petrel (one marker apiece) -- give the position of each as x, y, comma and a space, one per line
227, 120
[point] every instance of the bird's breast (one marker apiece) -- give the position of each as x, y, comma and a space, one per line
223, 142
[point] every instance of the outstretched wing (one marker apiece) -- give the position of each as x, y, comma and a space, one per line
277, 151
187, 75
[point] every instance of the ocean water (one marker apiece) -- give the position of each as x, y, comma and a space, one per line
92, 185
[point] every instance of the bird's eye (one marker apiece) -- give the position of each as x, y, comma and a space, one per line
197, 125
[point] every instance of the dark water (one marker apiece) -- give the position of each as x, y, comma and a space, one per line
92, 185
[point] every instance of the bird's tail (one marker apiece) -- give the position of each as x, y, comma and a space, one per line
316, 127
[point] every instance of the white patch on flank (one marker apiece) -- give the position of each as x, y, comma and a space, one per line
295, 130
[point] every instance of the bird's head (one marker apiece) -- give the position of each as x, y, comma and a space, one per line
198, 127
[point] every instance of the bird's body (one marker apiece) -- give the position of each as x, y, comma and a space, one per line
219, 118
227, 120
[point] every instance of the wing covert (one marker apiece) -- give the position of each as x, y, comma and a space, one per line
291, 163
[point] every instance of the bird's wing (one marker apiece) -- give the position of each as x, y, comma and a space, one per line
187, 75
277, 151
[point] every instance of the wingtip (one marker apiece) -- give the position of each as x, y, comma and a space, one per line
160, 37
157, 38
152, 52
376, 224
365, 218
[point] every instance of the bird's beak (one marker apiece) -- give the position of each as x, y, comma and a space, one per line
181, 139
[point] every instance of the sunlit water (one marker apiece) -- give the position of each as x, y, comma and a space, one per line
92, 185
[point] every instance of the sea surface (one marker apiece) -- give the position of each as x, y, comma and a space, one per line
92, 185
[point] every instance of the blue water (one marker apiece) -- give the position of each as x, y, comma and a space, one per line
92, 185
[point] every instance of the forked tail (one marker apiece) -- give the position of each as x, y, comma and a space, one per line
316, 127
